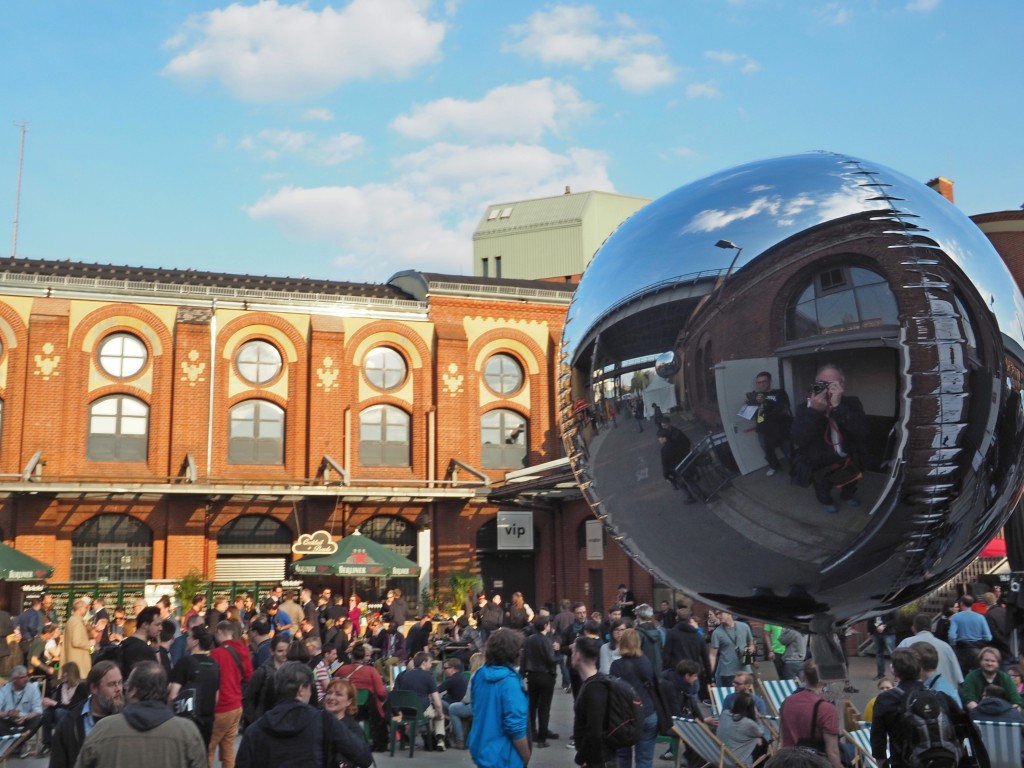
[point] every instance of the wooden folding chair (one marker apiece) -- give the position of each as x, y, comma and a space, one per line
706, 744
861, 741
1002, 741
718, 696
776, 691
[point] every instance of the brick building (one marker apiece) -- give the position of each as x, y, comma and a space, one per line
159, 421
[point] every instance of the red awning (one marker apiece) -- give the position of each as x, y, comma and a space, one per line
995, 548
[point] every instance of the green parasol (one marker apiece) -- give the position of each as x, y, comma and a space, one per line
358, 556
17, 566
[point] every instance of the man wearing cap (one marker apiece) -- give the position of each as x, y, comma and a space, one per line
21, 706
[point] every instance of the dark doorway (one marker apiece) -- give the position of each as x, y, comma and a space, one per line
505, 571
597, 590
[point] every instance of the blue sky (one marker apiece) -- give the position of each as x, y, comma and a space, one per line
352, 140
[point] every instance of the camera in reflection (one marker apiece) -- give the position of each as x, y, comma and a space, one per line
819, 387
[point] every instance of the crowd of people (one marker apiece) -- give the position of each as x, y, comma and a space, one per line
312, 677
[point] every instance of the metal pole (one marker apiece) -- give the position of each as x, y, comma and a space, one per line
17, 197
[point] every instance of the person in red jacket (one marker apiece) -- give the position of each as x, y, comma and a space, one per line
235, 670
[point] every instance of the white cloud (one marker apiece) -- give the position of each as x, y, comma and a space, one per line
424, 218
834, 13
319, 114
702, 91
579, 36
269, 51
711, 219
923, 6
641, 72
747, 65
271, 144
507, 113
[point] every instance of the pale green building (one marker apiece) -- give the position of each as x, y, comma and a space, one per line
549, 237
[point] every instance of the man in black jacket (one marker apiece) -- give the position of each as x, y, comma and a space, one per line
683, 641
890, 732
591, 709
294, 733
106, 697
829, 431
540, 663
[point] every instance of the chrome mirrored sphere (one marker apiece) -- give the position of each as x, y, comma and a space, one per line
838, 351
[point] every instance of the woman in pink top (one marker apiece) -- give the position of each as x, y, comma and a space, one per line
353, 614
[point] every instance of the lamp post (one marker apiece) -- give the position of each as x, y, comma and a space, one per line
727, 244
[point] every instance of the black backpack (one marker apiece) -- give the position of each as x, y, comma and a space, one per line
930, 734
624, 719
187, 703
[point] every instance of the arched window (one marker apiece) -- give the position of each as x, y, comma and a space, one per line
112, 548
503, 439
399, 536
118, 429
256, 433
840, 299
384, 437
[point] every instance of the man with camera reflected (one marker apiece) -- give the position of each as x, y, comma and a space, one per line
829, 431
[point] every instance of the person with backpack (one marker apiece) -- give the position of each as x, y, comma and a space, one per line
602, 721
806, 720
235, 671
636, 669
914, 726
195, 683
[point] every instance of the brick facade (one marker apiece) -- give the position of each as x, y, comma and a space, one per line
50, 376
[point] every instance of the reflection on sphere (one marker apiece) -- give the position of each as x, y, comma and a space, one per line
792, 270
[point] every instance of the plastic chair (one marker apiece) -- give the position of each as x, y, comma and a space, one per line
363, 702
405, 713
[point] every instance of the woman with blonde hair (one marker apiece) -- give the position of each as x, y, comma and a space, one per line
68, 694
460, 713
636, 669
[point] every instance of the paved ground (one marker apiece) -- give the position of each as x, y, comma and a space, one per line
862, 670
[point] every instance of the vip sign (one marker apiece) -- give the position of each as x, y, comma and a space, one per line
515, 530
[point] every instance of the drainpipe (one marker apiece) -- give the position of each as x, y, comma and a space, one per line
213, 382
431, 446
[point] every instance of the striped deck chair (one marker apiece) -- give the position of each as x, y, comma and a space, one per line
9, 741
776, 691
1002, 740
861, 741
706, 744
719, 695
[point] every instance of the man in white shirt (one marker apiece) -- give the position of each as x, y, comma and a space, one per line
949, 667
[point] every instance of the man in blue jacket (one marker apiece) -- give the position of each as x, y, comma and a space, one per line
498, 736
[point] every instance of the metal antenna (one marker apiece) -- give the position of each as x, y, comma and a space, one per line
17, 197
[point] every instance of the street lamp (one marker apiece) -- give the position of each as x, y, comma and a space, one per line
730, 244
727, 244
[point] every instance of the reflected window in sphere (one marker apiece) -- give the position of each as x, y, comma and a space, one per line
838, 299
